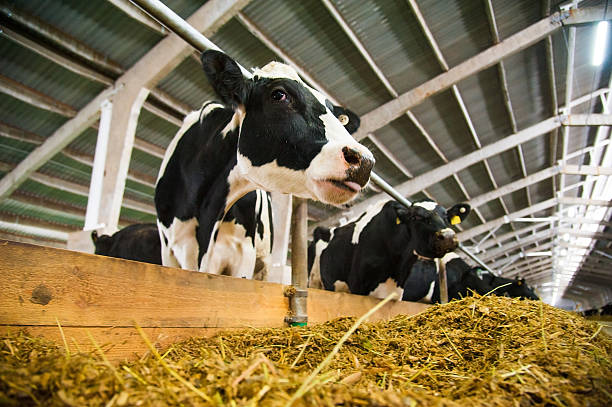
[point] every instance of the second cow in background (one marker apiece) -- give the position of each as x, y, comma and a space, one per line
369, 255
423, 284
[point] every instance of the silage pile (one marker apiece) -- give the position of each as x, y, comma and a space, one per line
481, 351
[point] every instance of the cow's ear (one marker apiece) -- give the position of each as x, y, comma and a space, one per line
349, 120
94, 236
458, 213
224, 76
520, 282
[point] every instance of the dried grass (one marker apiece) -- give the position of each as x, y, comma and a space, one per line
480, 351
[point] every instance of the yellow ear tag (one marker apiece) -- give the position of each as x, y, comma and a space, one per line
455, 220
519, 282
398, 221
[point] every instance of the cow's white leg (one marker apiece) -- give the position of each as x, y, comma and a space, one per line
314, 280
232, 253
386, 288
182, 248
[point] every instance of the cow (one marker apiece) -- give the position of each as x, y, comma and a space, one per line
139, 242
271, 132
423, 285
363, 256
243, 245
244, 239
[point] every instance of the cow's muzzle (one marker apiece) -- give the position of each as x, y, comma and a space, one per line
445, 241
360, 166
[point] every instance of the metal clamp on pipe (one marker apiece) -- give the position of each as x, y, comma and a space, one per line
298, 315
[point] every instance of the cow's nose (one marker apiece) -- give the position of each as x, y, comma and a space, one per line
351, 156
447, 239
360, 166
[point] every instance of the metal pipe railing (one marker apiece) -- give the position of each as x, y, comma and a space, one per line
175, 23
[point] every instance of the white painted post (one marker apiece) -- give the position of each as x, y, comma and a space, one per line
122, 133
281, 215
92, 215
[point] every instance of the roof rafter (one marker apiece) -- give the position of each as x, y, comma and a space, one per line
153, 66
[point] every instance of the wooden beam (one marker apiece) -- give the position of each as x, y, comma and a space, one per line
43, 284
156, 64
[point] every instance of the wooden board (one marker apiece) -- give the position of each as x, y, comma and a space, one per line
107, 296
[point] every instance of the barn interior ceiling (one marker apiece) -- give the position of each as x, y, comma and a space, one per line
489, 102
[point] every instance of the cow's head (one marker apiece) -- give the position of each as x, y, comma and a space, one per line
291, 139
102, 243
430, 226
519, 288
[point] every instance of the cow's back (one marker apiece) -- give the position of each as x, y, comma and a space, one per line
139, 242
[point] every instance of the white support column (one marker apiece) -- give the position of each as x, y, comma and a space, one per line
124, 117
281, 216
92, 216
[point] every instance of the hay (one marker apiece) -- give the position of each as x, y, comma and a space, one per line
480, 351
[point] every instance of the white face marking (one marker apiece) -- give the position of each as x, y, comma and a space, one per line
387, 287
277, 70
429, 205
329, 164
233, 253
341, 287
182, 245
372, 211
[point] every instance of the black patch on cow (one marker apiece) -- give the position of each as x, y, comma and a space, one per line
139, 242
293, 133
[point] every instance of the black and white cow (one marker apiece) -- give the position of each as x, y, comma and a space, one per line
423, 285
271, 132
243, 245
364, 256
139, 242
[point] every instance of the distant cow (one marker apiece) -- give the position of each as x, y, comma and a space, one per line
272, 132
139, 242
243, 244
423, 285
365, 255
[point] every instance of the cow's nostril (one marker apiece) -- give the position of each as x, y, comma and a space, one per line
351, 156
441, 236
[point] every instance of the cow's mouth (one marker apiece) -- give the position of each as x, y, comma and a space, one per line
350, 186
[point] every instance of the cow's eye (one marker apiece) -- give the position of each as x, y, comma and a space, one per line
279, 95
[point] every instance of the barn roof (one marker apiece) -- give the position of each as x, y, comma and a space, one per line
497, 136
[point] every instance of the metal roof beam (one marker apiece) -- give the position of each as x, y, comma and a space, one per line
475, 231
422, 181
581, 233
137, 14
506, 93
153, 66
31, 138
492, 254
466, 116
583, 201
506, 262
390, 111
79, 189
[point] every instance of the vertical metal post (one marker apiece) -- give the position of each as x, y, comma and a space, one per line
442, 280
299, 263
